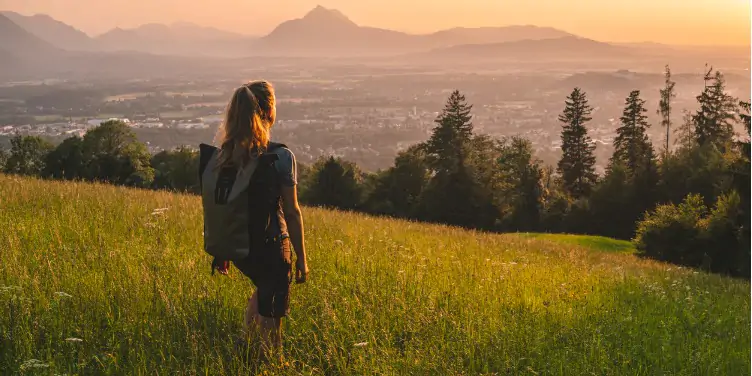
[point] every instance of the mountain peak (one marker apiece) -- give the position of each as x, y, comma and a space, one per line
321, 14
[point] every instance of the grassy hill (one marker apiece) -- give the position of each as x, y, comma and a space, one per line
96, 280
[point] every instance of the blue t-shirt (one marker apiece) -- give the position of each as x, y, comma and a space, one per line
286, 166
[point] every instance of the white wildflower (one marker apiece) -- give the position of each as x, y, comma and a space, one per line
33, 363
72, 340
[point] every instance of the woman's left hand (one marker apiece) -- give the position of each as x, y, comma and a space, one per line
221, 266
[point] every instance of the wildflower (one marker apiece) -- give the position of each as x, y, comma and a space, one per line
73, 340
33, 363
360, 344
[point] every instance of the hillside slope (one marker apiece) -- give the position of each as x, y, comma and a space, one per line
103, 280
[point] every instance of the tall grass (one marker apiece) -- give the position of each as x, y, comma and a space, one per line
98, 280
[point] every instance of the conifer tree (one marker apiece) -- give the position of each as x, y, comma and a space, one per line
664, 106
577, 163
447, 148
632, 148
686, 132
454, 194
713, 122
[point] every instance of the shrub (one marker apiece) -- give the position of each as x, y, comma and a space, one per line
687, 234
671, 232
722, 235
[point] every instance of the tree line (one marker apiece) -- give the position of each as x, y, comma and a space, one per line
687, 204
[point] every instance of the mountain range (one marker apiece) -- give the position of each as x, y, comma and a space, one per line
320, 32
40, 44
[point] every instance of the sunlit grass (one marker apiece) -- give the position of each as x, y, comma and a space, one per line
95, 280
595, 243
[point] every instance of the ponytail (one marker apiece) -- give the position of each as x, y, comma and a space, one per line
245, 132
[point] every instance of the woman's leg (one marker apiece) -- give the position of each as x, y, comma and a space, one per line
251, 314
267, 328
252, 333
271, 334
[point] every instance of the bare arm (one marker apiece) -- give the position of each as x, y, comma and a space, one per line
294, 219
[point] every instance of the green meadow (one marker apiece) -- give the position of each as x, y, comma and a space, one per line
102, 280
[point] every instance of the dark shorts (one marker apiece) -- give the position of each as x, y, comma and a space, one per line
271, 272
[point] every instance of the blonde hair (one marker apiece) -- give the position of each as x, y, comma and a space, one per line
244, 134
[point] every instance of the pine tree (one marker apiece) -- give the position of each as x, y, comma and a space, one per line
455, 193
664, 106
447, 147
632, 148
522, 187
577, 163
686, 132
713, 122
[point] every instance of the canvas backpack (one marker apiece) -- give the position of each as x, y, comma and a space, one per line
242, 208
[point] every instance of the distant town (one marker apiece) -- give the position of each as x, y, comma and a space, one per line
366, 119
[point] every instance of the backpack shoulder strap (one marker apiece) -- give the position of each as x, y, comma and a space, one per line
270, 156
205, 153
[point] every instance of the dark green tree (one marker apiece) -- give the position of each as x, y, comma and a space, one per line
397, 190
628, 189
686, 132
577, 164
446, 149
611, 204
744, 117
664, 106
335, 183
522, 186
66, 161
27, 155
176, 170
3, 158
304, 178
454, 195
113, 154
632, 148
742, 178
713, 121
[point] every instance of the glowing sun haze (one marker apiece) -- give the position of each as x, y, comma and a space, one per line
719, 22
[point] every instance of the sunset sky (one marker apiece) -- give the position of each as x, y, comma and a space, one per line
696, 22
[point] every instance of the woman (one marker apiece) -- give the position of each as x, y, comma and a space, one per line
244, 141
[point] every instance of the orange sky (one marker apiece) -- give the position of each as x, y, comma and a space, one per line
703, 22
